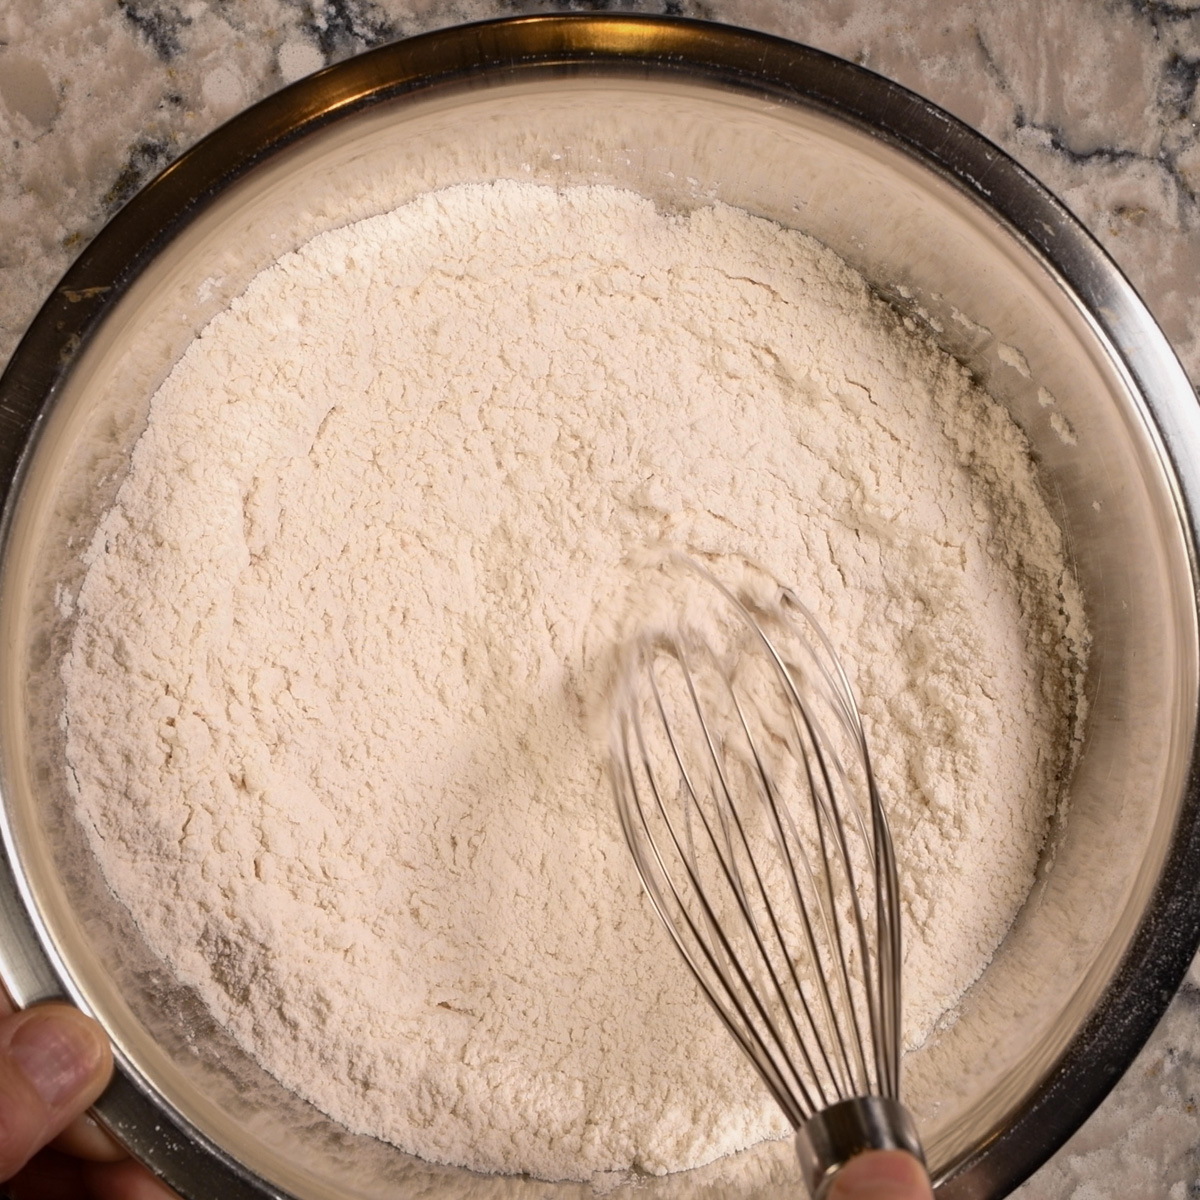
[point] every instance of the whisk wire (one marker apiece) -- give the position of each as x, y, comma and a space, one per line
827, 813
736, 973
743, 1032
823, 881
836, 1067
883, 1002
887, 939
770, 795
744, 1028
702, 843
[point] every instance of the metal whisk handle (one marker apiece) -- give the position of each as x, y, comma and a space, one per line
828, 1140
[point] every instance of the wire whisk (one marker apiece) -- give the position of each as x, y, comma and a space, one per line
745, 792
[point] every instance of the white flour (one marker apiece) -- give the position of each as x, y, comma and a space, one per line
328, 696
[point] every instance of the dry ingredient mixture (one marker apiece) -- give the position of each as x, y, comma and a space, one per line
331, 696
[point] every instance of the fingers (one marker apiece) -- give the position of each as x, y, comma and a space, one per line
123, 1181
54, 1062
882, 1175
83, 1137
52, 1176
49, 1176
86, 1138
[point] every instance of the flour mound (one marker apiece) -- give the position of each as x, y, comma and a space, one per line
328, 695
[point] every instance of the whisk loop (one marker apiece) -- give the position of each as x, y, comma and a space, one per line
745, 792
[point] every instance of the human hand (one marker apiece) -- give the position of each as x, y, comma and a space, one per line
881, 1175
54, 1063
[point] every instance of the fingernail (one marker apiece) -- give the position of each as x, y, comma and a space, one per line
881, 1175
58, 1055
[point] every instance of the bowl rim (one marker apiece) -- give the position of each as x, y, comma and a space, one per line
549, 47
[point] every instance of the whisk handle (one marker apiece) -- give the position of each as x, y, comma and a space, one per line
828, 1140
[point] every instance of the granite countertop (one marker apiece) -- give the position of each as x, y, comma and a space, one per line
1101, 101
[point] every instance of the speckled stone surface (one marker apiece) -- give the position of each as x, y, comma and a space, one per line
1100, 99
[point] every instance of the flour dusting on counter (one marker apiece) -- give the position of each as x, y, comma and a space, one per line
329, 693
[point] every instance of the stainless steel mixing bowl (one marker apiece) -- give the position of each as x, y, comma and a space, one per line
947, 228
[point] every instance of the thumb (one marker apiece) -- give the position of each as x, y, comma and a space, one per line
881, 1175
54, 1062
